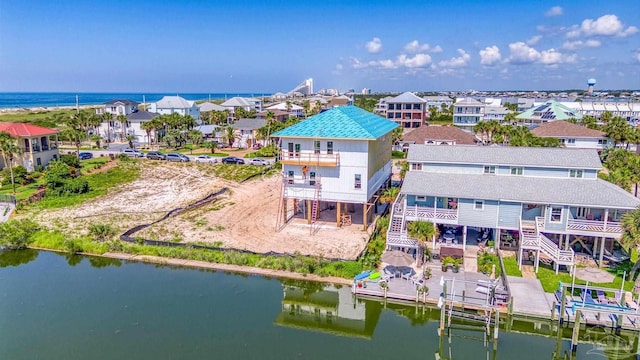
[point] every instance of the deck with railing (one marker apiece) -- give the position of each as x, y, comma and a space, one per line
432, 214
594, 226
310, 158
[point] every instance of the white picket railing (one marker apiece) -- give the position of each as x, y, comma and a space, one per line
429, 213
594, 226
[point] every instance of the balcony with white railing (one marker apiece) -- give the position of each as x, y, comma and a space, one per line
401, 240
437, 215
310, 158
595, 227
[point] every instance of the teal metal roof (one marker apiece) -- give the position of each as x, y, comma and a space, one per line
344, 122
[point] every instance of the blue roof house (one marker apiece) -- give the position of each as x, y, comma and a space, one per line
336, 160
541, 202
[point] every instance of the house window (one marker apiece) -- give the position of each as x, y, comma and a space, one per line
421, 198
316, 147
312, 178
329, 147
576, 173
489, 169
478, 205
290, 175
571, 141
358, 182
290, 149
581, 212
517, 170
602, 141
416, 166
556, 214
297, 150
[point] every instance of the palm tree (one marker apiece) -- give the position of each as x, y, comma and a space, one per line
229, 135
148, 126
195, 136
108, 117
631, 238
9, 149
390, 195
422, 231
75, 130
97, 139
123, 122
481, 129
270, 117
130, 139
213, 145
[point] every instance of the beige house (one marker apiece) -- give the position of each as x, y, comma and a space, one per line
38, 145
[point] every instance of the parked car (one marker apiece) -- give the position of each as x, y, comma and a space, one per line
259, 161
156, 155
232, 160
133, 153
207, 159
85, 155
177, 157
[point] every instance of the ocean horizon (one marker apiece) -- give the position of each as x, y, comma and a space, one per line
55, 99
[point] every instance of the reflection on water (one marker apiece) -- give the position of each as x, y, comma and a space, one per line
17, 257
76, 307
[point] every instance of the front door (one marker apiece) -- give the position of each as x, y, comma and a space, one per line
290, 149
297, 150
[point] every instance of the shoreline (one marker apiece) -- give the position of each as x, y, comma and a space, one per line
198, 264
22, 110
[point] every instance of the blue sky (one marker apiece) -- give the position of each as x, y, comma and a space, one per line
260, 46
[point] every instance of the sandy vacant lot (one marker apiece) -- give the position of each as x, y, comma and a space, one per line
242, 218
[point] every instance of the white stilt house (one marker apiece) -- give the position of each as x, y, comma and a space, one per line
337, 160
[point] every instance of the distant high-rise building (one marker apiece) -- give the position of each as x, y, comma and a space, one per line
366, 91
590, 83
305, 88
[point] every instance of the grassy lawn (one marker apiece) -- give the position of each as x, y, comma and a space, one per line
511, 266
94, 163
550, 280
22, 192
42, 118
238, 172
99, 184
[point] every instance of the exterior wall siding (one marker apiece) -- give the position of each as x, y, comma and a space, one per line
556, 226
509, 215
452, 168
487, 217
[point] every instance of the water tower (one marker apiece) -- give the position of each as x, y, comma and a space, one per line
590, 83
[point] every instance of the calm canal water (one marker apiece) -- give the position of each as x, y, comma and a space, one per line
68, 307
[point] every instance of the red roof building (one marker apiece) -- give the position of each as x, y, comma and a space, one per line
38, 145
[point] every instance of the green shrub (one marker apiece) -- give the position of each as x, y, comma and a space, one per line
16, 234
71, 160
398, 154
20, 176
101, 232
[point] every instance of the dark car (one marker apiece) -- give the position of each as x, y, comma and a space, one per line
232, 160
156, 155
177, 157
85, 155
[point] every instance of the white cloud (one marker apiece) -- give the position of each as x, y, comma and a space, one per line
579, 44
534, 40
554, 11
436, 49
636, 56
551, 56
490, 55
418, 60
521, 53
459, 61
415, 46
387, 64
374, 46
605, 25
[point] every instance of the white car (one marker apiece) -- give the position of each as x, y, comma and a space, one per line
259, 161
133, 153
206, 159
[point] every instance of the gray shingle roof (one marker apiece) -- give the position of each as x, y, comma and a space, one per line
579, 192
141, 115
249, 124
123, 101
506, 155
